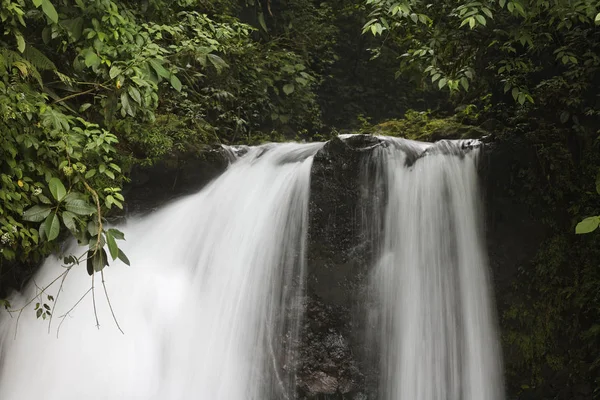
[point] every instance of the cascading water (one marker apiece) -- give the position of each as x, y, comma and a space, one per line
209, 307
437, 339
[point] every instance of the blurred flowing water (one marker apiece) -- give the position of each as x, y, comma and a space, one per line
436, 325
209, 305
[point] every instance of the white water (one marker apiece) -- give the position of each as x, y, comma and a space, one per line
437, 336
202, 305
215, 282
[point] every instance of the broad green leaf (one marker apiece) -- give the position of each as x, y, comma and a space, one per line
176, 83
73, 196
480, 19
89, 263
465, 83
158, 67
288, 88
99, 260
20, 42
84, 107
91, 59
57, 189
42, 230
50, 11
37, 3
123, 257
52, 227
126, 105
93, 227
442, 83
587, 225
36, 213
435, 77
135, 94
114, 72
44, 199
597, 19
74, 26
261, 21
472, 22
117, 234
112, 246
115, 167
80, 207
520, 8
69, 220
217, 62
515, 93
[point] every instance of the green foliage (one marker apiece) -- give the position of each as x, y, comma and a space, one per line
504, 43
590, 224
89, 88
423, 126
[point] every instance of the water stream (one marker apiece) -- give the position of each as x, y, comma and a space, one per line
437, 334
211, 304
204, 307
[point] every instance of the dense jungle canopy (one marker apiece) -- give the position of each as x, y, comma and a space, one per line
89, 89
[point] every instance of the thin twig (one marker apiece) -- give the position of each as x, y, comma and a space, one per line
62, 317
94, 301
31, 301
57, 296
74, 95
110, 305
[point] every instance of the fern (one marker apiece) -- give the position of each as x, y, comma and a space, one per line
29, 64
38, 59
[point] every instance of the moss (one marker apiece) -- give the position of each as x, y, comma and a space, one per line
421, 126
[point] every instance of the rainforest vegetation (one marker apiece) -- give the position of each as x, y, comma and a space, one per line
89, 89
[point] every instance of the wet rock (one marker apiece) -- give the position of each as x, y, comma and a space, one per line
153, 186
319, 382
326, 362
339, 255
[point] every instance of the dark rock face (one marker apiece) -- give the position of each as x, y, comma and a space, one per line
339, 256
328, 367
151, 187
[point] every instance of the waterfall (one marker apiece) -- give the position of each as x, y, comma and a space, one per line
436, 333
209, 307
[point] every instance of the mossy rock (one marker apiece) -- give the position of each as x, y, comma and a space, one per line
421, 127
